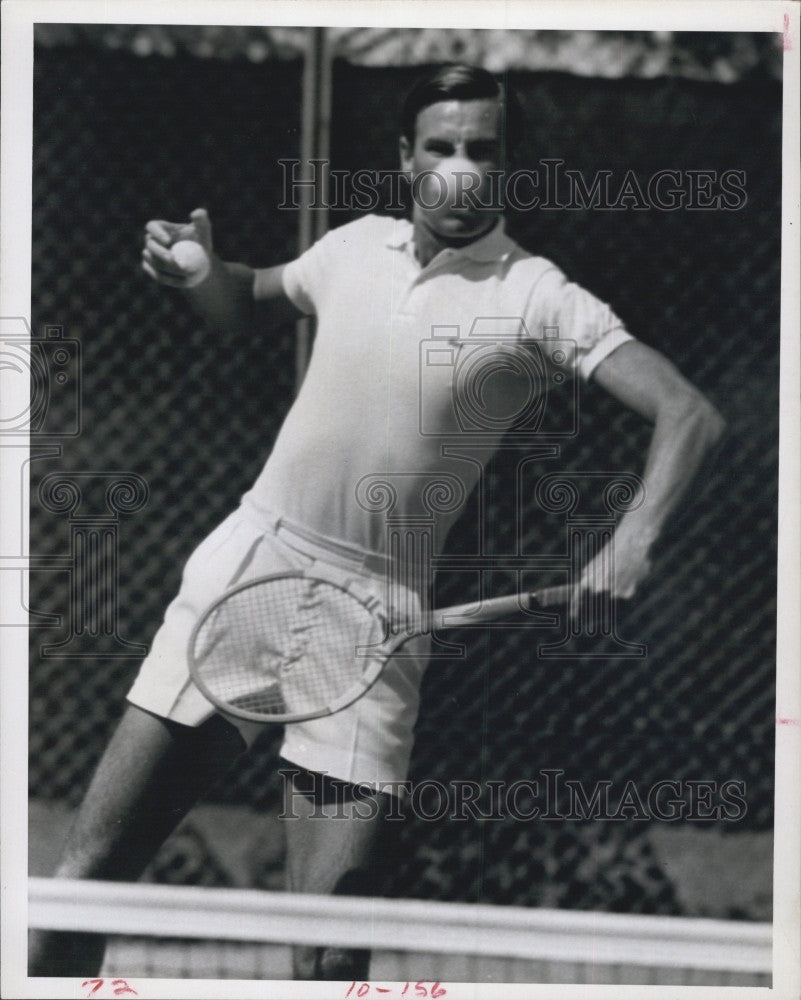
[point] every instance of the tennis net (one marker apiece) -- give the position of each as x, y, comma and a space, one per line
181, 932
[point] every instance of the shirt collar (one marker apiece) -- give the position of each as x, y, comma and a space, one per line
490, 246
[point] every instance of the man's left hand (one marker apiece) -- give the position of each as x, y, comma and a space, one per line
620, 571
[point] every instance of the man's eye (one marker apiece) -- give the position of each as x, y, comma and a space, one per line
484, 151
440, 148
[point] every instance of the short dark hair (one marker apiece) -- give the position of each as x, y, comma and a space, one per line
461, 82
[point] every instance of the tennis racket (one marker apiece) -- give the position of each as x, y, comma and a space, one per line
292, 646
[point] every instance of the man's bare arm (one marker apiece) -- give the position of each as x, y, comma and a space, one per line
686, 425
227, 298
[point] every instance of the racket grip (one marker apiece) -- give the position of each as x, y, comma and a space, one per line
498, 607
548, 597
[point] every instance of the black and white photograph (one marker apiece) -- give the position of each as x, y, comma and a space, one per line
400, 463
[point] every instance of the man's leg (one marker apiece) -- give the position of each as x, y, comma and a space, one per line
150, 775
335, 845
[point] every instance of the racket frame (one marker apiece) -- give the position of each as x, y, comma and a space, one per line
374, 663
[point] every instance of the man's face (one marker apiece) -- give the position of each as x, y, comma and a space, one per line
459, 142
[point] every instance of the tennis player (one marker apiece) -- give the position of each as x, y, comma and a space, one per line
377, 286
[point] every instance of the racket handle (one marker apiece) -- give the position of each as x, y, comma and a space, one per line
497, 607
549, 597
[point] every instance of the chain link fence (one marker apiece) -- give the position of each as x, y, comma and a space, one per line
121, 139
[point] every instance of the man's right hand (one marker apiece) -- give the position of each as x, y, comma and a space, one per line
158, 262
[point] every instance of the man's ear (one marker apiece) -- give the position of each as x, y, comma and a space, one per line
406, 155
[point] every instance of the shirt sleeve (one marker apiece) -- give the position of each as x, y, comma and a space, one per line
301, 278
561, 308
307, 278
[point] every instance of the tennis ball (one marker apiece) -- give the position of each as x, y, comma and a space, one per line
192, 260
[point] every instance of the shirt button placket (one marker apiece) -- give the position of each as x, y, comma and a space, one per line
411, 285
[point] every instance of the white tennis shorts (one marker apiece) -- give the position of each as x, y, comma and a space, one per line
369, 743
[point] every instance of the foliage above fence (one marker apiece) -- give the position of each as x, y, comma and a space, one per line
720, 56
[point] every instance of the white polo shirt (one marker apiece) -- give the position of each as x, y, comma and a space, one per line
417, 373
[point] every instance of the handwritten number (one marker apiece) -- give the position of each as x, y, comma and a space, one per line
420, 989
122, 989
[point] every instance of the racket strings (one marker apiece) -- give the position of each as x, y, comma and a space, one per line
285, 647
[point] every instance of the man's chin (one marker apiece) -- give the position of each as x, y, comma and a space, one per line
465, 226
